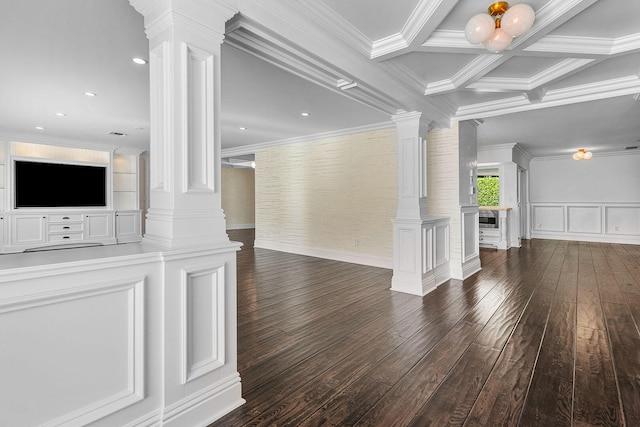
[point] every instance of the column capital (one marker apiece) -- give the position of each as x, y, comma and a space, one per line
411, 121
205, 16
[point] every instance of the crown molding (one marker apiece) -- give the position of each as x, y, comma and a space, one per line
629, 85
335, 24
426, 12
408, 76
62, 142
450, 39
491, 108
572, 45
554, 72
593, 91
626, 44
481, 65
549, 17
594, 46
252, 149
327, 62
595, 154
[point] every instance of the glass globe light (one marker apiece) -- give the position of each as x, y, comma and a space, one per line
588, 155
518, 19
479, 28
498, 41
578, 155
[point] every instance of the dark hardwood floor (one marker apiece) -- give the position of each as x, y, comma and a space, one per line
544, 335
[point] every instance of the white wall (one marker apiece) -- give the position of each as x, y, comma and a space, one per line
333, 197
604, 178
590, 200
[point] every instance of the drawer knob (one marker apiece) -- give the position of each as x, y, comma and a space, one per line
65, 217
66, 227
66, 237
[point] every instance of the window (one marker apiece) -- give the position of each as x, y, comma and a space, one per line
489, 190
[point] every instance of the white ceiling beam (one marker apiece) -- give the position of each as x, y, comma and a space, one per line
322, 58
629, 85
424, 19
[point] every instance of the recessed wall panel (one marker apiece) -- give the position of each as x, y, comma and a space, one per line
623, 220
584, 219
548, 218
203, 321
84, 349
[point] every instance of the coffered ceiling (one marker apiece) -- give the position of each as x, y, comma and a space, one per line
572, 81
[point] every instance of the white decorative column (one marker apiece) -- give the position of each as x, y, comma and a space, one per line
185, 221
420, 242
184, 41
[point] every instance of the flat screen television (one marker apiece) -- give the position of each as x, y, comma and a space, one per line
49, 185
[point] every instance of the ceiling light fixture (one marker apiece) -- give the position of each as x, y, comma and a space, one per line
509, 23
305, 114
39, 128
91, 94
242, 128
60, 114
139, 61
582, 154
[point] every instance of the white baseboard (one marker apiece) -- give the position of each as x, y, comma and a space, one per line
344, 256
469, 268
205, 406
240, 226
586, 237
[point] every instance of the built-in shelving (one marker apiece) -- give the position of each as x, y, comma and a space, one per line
33, 228
125, 181
3, 171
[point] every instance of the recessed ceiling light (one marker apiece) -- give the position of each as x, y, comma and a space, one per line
91, 94
138, 128
139, 61
60, 114
39, 128
305, 114
242, 128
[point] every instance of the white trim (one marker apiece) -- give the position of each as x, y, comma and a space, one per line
336, 255
587, 237
628, 85
215, 359
206, 405
240, 226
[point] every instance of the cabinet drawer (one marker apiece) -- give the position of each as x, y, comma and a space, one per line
61, 228
65, 237
490, 232
65, 217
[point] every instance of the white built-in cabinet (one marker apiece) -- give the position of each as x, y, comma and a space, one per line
35, 228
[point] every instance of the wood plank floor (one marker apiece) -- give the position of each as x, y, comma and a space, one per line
544, 335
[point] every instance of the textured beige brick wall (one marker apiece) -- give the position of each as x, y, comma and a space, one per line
335, 194
238, 196
443, 179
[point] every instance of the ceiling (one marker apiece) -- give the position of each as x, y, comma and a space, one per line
572, 81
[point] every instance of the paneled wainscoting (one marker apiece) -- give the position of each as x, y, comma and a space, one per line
591, 222
543, 335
